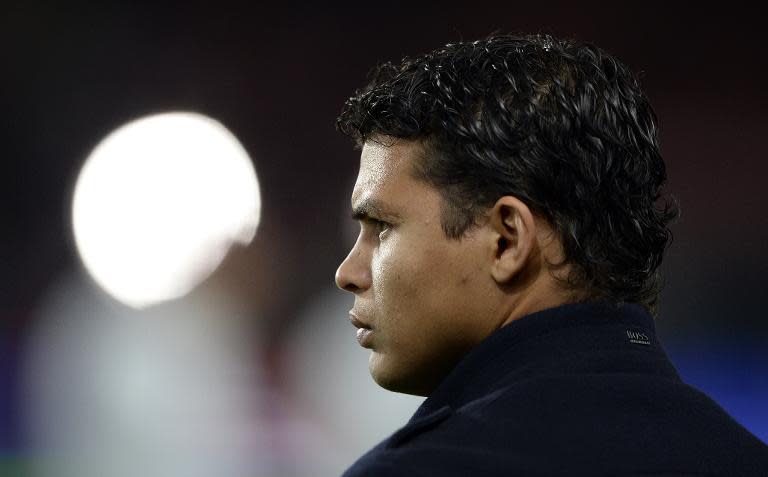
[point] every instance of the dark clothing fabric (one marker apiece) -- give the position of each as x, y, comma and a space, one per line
582, 389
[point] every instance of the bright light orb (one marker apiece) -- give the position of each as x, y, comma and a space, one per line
158, 204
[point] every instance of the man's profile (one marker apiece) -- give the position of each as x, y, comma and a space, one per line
511, 229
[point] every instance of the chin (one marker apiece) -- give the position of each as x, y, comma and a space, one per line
397, 378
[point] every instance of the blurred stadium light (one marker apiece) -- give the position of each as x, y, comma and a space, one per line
159, 202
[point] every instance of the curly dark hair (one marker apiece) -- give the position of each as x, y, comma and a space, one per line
559, 124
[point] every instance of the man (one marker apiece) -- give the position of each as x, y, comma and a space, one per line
506, 267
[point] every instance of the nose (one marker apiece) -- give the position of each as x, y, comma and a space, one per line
354, 273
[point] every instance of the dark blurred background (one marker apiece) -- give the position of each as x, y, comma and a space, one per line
277, 74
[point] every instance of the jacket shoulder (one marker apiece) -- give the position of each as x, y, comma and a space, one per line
631, 425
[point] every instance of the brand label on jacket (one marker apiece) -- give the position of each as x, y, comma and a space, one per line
637, 337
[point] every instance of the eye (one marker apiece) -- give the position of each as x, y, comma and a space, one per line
382, 227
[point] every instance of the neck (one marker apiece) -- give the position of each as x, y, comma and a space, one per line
544, 293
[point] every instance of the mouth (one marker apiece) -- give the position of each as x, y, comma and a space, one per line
364, 331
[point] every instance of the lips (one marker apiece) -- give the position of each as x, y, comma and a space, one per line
364, 331
364, 337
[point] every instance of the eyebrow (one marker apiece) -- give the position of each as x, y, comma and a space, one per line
372, 208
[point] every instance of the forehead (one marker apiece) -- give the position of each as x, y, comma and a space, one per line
386, 170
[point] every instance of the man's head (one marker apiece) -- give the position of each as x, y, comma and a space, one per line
497, 177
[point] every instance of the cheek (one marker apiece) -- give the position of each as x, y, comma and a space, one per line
411, 282
395, 274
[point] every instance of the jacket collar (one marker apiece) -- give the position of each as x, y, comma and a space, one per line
569, 339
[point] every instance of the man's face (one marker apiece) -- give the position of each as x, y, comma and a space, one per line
426, 298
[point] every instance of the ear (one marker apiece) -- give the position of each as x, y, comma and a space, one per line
514, 232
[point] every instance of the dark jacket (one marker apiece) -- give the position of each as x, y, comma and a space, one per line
581, 389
